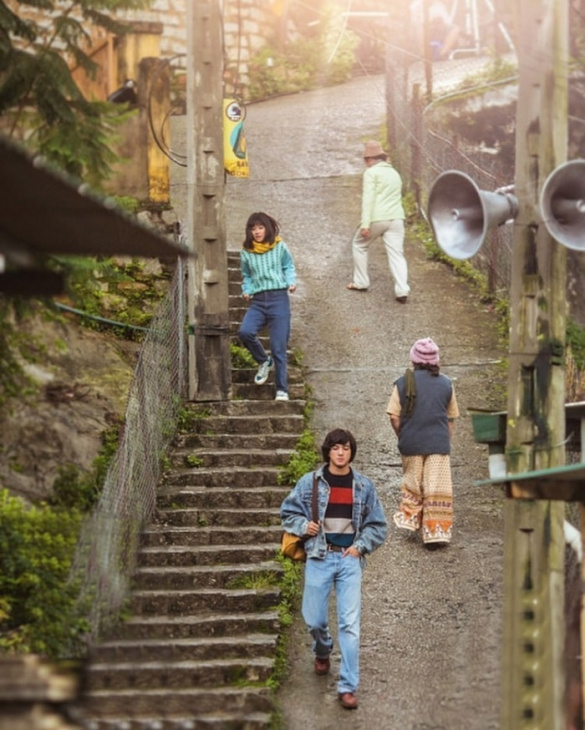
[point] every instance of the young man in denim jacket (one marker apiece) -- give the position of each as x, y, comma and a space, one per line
351, 524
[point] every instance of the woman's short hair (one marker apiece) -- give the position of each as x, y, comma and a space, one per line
272, 228
338, 436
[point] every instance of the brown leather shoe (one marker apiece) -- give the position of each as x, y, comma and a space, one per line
348, 700
322, 665
402, 300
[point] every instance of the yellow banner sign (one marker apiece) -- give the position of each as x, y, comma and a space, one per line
235, 156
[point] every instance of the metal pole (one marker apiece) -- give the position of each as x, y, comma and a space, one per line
209, 352
533, 681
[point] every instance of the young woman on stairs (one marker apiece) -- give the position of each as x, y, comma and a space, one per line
268, 277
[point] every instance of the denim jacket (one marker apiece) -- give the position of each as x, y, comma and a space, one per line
369, 521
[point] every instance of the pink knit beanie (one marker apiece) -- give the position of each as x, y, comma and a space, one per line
425, 352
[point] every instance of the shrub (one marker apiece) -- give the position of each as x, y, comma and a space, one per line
37, 544
305, 458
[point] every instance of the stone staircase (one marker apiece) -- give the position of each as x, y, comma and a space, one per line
202, 637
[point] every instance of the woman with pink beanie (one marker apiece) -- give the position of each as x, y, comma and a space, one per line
422, 410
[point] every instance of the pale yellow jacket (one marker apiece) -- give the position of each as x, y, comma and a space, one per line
382, 194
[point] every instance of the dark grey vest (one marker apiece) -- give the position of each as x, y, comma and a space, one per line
426, 431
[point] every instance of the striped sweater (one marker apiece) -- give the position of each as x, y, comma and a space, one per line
267, 271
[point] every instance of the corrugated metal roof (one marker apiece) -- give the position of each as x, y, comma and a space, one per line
43, 212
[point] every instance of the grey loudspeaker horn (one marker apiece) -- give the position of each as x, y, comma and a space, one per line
562, 204
461, 213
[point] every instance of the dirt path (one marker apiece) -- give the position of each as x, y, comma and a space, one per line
431, 622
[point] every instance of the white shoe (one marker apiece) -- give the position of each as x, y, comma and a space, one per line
262, 375
281, 395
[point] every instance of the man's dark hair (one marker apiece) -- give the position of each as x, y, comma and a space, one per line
338, 436
263, 219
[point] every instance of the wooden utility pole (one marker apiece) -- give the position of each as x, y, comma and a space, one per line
209, 352
533, 678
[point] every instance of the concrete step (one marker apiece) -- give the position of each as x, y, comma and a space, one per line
242, 441
222, 498
176, 674
181, 602
287, 421
205, 458
200, 577
197, 535
240, 477
266, 392
221, 518
218, 720
186, 568
263, 336
246, 376
198, 626
167, 701
261, 412
183, 650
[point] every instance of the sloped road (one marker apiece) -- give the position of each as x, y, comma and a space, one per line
431, 622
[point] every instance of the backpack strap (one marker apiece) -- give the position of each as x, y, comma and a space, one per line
409, 393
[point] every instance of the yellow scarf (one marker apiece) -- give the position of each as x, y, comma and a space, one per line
261, 247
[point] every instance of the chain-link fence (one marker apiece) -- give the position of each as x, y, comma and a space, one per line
108, 546
431, 118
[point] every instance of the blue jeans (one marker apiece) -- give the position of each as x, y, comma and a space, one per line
345, 574
272, 309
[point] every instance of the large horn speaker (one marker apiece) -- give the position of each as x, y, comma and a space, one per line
461, 213
562, 204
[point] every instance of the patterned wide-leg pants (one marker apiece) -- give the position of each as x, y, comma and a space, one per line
426, 497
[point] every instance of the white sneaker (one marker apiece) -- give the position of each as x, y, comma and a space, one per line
262, 375
281, 395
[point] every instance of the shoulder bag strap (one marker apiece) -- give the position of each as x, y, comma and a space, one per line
314, 501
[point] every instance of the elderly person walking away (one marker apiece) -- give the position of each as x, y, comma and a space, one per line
382, 215
422, 410
351, 524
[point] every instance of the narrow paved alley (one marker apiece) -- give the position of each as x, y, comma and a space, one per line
431, 622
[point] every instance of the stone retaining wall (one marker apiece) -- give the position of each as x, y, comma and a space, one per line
248, 26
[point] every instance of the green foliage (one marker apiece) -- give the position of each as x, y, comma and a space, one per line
130, 205
188, 417
498, 70
290, 591
241, 358
304, 63
15, 345
195, 462
108, 291
305, 458
576, 341
254, 581
40, 101
78, 489
36, 548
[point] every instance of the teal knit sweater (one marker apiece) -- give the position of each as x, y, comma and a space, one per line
267, 271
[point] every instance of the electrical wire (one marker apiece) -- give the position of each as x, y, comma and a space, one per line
158, 135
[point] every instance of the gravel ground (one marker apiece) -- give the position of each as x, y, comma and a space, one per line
431, 622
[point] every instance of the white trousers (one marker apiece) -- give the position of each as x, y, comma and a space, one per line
392, 233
